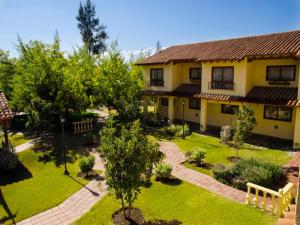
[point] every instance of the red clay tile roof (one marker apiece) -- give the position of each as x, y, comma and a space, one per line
282, 96
187, 90
283, 44
5, 111
218, 97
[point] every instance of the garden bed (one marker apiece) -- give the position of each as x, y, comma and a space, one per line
218, 155
185, 203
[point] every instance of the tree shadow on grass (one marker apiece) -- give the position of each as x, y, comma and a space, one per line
10, 215
173, 181
15, 175
52, 149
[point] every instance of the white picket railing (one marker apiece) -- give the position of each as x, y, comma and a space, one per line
83, 126
276, 202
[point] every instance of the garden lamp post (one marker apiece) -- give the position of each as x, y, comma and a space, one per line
183, 136
62, 121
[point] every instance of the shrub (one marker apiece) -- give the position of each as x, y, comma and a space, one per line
86, 164
226, 134
90, 139
176, 130
163, 171
198, 156
8, 160
251, 170
154, 120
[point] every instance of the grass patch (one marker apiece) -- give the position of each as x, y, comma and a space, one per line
16, 139
185, 202
37, 185
218, 153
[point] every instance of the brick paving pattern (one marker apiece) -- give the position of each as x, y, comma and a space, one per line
81, 202
175, 157
73, 207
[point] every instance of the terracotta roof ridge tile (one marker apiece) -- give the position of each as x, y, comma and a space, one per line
233, 39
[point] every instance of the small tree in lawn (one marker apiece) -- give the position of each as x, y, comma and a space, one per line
126, 153
242, 126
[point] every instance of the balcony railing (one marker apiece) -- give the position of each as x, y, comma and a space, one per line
276, 202
156, 83
221, 85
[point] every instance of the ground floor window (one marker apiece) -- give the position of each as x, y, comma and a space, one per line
278, 113
194, 103
164, 101
229, 109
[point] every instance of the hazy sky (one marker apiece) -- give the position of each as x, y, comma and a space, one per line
138, 24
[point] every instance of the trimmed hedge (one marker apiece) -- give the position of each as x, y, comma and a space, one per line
251, 170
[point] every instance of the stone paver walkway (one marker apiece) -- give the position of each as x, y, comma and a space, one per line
175, 157
25, 146
292, 170
75, 206
72, 208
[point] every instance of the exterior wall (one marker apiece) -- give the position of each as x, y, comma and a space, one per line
162, 109
168, 80
240, 70
259, 71
216, 117
185, 72
297, 129
285, 130
191, 115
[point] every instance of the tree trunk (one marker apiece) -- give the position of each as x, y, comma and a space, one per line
129, 210
123, 206
6, 144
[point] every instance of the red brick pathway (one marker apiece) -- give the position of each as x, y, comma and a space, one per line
73, 207
175, 157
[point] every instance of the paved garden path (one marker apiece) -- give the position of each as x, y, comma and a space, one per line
25, 146
74, 207
175, 157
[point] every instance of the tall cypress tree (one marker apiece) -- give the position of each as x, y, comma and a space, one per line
93, 33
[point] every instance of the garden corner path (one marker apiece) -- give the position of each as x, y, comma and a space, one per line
175, 157
75, 206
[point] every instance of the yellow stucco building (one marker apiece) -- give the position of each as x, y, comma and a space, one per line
206, 82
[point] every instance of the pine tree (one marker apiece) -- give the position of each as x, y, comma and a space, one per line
158, 47
93, 33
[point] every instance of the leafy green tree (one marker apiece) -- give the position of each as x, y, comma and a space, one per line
119, 85
126, 153
45, 86
242, 125
93, 34
6, 73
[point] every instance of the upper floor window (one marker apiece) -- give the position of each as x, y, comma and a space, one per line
222, 78
281, 73
164, 101
157, 77
194, 103
278, 113
195, 73
229, 109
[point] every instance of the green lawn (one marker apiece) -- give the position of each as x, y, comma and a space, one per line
185, 202
39, 185
217, 153
17, 139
